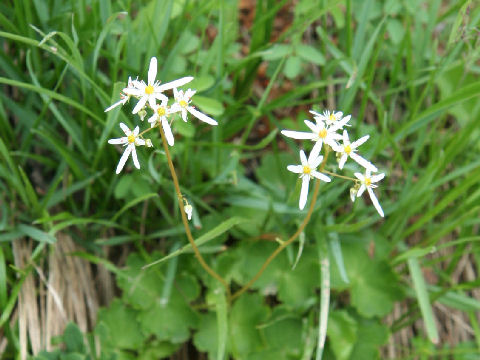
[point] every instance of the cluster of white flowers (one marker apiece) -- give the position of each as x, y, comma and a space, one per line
148, 94
325, 130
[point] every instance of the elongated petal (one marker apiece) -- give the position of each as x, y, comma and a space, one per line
152, 101
377, 178
174, 108
163, 98
152, 71
139, 142
135, 158
360, 141
375, 202
176, 93
184, 114
189, 93
317, 161
340, 124
121, 140
314, 154
320, 176
359, 176
346, 140
140, 105
201, 116
121, 102
174, 84
123, 159
168, 131
317, 148
134, 91
299, 135
153, 119
342, 161
304, 192
297, 169
361, 161
312, 126
303, 158
136, 130
125, 129
361, 190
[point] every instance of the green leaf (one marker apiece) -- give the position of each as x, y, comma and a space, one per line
293, 66
277, 52
423, 299
73, 338
396, 30
210, 235
310, 54
36, 234
209, 106
342, 331
119, 326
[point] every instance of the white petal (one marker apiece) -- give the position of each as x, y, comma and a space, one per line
163, 98
303, 158
377, 178
168, 131
140, 105
201, 116
121, 102
121, 140
133, 91
375, 202
361, 190
314, 154
139, 142
338, 115
313, 127
125, 129
340, 124
136, 130
176, 93
175, 108
123, 159
184, 114
134, 157
152, 100
153, 119
359, 176
300, 135
174, 84
152, 71
189, 93
317, 161
360, 160
346, 140
342, 161
297, 169
320, 176
304, 192
360, 141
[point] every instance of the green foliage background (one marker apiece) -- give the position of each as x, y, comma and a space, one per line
407, 71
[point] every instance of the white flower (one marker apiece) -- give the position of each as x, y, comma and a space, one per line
160, 113
348, 150
182, 104
152, 90
328, 117
320, 133
188, 210
367, 181
307, 170
131, 140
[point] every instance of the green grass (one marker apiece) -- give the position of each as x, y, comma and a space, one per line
408, 72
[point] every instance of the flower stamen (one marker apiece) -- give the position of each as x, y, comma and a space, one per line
131, 138
347, 149
149, 90
183, 103
307, 170
161, 111
322, 133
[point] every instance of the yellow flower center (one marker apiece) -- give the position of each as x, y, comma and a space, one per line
331, 117
131, 138
307, 170
347, 149
323, 133
368, 181
161, 111
183, 103
149, 90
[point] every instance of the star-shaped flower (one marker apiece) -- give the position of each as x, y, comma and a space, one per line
123, 97
328, 117
131, 140
307, 170
320, 133
182, 105
348, 150
160, 113
152, 90
367, 182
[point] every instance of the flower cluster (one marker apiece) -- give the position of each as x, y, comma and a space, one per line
151, 95
326, 131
